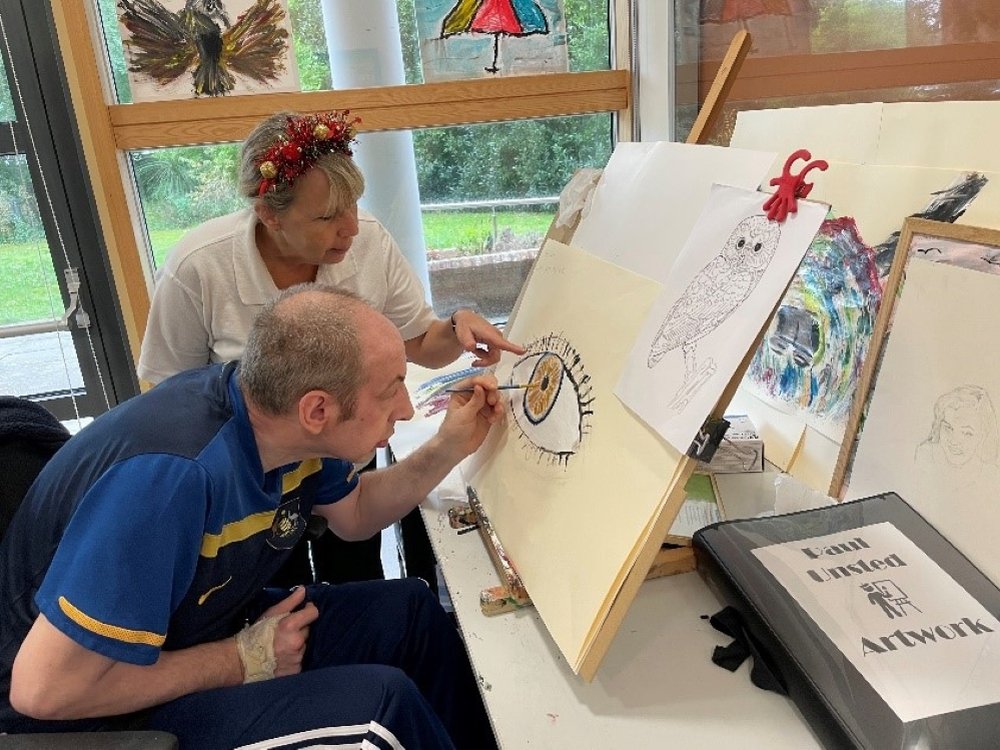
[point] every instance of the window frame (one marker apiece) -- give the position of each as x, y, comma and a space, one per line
52, 150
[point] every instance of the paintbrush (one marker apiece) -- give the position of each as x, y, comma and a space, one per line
511, 387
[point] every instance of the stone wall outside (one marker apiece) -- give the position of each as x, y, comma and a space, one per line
488, 283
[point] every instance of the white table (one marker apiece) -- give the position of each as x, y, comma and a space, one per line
657, 687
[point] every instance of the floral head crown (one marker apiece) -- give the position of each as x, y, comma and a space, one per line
305, 139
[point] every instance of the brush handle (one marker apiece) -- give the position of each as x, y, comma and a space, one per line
499, 388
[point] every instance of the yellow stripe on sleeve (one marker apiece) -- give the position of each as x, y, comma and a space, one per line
126, 635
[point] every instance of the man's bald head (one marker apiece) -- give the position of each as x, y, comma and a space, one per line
309, 338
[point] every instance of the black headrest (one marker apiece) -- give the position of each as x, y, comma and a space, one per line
21, 419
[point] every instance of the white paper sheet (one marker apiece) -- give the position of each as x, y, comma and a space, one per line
650, 195
727, 280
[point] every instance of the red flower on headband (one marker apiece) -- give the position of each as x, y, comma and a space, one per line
306, 138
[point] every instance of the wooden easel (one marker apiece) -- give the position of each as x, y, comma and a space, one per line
511, 594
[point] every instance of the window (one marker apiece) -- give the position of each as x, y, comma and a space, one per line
6, 103
486, 192
809, 52
52, 282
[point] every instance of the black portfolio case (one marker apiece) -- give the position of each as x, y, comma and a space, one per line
840, 704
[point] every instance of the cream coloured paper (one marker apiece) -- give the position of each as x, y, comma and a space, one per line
571, 504
728, 278
940, 135
839, 132
931, 430
946, 135
650, 195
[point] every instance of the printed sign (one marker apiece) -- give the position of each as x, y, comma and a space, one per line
920, 639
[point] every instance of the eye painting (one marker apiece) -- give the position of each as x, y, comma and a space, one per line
551, 417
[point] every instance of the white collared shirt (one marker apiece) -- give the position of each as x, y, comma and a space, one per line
214, 283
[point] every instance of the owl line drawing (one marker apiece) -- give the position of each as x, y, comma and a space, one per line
715, 292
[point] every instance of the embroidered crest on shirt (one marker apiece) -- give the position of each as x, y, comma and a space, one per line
289, 524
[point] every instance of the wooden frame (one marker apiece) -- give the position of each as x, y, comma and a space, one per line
913, 229
804, 75
107, 131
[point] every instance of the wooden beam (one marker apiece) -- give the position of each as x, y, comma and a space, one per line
725, 77
158, 124
810, 75
104, 165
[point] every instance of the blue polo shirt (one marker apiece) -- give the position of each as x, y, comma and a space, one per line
155, 525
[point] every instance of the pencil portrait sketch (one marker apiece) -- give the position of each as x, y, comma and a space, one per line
714, 294
552, 416
962, 447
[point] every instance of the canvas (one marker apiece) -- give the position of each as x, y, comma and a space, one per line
573, 509
462, 39
181, 49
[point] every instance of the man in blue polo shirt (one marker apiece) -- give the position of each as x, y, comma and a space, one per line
132, 575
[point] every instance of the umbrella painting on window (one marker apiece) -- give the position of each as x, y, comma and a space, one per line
180, 49
482, 38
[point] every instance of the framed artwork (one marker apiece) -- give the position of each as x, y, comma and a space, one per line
974, 248
182, 49
924, 421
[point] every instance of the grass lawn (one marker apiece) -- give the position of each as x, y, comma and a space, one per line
28, 290
467, 231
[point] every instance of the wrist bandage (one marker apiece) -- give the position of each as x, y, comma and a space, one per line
255, 645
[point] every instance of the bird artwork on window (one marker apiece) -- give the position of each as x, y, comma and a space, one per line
715, 293
516, 18
201, 38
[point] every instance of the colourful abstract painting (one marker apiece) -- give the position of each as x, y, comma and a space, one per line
180, 49
462, 39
